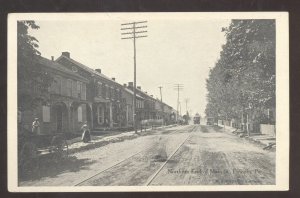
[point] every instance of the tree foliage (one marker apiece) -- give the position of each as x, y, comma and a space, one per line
33, 81
244, 76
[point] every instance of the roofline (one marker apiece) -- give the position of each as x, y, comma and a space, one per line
60, 70
87, 70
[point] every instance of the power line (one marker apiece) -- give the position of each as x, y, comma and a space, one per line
132, 33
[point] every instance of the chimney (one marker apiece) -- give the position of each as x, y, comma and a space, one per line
52, 58
67, 54
114, 79
130, 84
124, 85
98, 70
139, 87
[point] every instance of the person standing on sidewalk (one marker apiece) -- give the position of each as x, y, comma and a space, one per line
36, 127
86, 135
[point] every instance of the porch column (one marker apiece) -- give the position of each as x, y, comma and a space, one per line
92, 119
111, 122
70, 118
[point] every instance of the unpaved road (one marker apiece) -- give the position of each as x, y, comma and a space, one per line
185, 155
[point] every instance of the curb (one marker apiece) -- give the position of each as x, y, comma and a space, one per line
111, 139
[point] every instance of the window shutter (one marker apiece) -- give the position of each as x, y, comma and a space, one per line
79, 114
46, 114
83, 92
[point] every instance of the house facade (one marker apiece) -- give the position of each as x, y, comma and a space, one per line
66, 107
79, 94
105, 94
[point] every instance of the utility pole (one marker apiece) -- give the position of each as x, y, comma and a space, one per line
160, 87
133, 31
178, 88
186, 102
180, 108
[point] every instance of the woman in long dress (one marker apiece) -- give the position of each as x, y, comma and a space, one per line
86, 136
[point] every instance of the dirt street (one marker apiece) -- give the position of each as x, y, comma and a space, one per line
183, 155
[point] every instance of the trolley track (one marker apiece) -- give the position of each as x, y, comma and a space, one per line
164, 164
132, 156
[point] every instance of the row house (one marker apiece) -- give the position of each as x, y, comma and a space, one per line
80, 94
104, 93
66, 106
147, 109
128, 96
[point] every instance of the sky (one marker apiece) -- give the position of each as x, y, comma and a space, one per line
176, 51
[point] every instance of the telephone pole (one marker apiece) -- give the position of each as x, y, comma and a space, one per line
178, 88
160, 87
133, 31
186, 106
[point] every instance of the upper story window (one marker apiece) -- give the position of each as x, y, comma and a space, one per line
69, 87
99, 88
79, 89
111, 93
57, 85
74, 69
103, 91
107, 95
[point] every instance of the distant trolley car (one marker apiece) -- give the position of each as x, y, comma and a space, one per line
197, 119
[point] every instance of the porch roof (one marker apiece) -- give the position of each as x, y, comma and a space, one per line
99, 99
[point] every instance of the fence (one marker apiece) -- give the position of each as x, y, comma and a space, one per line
268, 129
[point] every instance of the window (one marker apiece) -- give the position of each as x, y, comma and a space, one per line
57, 87
74, 89
108, 94
46, 114
79, 114
120, 95
117, 94
100, 114
83, 91
79, 89
103, 91
107, 91
99, 89
74, 69
69, 87
111, 93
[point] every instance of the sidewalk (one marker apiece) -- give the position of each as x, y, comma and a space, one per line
76, 145
263, 139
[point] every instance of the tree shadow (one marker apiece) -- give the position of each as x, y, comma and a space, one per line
51, 167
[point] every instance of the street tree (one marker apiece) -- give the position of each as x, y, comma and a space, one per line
244, 76
30, 75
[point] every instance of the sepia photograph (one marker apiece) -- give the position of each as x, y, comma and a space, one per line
148, 102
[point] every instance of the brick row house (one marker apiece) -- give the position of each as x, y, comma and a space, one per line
79, 93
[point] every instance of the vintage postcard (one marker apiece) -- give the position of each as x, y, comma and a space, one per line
148, 102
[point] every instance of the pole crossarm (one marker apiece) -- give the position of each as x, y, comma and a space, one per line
131, 28
132, 23
134, 37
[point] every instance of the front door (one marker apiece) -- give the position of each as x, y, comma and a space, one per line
59, 121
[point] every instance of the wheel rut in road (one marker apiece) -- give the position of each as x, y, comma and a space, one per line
136, 169
212, 157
